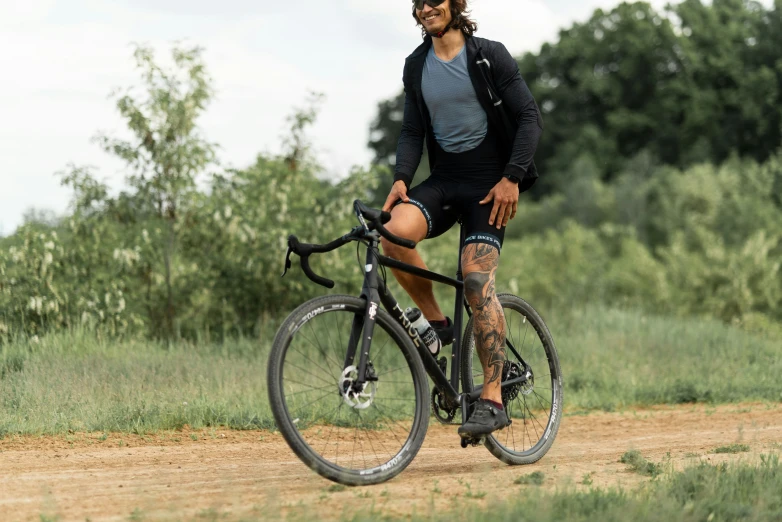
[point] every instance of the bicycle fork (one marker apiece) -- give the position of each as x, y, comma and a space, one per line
365, 323
375, 292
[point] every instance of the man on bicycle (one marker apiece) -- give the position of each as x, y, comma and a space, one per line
464, 97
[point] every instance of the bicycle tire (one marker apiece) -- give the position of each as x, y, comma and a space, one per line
287, 425
498, 442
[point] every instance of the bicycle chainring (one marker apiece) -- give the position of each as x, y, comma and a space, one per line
442, 412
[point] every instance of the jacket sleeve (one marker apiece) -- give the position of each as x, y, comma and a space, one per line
411, 141
520, 106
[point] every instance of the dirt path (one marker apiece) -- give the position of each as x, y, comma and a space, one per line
253, 474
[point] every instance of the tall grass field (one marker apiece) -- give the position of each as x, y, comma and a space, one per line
610, 358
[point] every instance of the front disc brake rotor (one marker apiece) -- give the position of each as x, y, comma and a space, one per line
359, 399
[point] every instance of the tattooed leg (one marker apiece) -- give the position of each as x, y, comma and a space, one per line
479, 264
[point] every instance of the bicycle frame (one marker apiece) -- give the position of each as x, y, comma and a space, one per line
375, 292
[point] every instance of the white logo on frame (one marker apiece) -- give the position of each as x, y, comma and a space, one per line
372, 310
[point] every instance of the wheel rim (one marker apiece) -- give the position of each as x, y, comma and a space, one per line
533, 409
362, 430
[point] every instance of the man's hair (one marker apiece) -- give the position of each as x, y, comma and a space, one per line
460, 18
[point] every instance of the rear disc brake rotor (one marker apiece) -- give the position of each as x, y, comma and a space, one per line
513, 370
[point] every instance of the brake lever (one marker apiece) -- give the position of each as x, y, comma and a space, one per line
287, 261
360, 217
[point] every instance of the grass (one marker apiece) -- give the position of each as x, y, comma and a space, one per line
473, 494
699, 493
638, 464
611, 359
733, 448
79, 383
535, 479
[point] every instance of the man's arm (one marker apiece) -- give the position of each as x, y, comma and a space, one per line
411, 140
521, 106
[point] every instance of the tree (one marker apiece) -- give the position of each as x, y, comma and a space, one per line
295, 144
384, 135
165, 156
736, 95
696, 82
610, 87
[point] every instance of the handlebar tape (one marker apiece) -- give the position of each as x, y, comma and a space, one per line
378, 219
305, 265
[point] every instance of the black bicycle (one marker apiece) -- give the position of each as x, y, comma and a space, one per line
347, 379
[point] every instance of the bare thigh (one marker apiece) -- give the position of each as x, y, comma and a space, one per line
407, 222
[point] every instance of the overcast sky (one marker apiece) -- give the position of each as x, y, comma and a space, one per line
60, 60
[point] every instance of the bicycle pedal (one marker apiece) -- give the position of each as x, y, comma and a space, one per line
470, 441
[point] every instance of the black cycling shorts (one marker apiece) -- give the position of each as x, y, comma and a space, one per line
459, 182
443, 200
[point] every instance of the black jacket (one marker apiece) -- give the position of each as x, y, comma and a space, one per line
510, 108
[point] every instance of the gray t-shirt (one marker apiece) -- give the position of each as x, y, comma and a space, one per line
458, 120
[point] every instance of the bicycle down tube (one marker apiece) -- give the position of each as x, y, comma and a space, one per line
375, 292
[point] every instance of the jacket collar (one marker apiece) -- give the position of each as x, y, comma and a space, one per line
473, 46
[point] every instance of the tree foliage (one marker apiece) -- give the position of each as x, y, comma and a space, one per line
696, 82
180, 252
662, 190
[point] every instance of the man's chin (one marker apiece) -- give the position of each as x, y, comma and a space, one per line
436, 29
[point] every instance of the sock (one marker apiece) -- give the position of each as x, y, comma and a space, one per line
439, 324
497, 405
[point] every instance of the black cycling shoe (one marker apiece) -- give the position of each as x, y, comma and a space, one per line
445, 333
485, 419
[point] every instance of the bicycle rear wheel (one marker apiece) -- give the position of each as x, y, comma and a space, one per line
535, 407
349, 435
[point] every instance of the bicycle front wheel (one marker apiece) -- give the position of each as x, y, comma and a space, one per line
351, 434
534, 407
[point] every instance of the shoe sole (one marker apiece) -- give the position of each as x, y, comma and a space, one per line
468, 435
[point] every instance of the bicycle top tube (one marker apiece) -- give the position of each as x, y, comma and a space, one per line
372, 221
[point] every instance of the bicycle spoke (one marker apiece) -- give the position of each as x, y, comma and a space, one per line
318, 347
313, 402
391, 371
307, 391
531, 412
306, 372
392, 420
331, 345
327, 372
510, 416
372, 446
326, 406
380, 352
534, 419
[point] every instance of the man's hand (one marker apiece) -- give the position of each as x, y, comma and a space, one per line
398, 191
505, 195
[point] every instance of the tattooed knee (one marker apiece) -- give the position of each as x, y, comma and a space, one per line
477, 287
